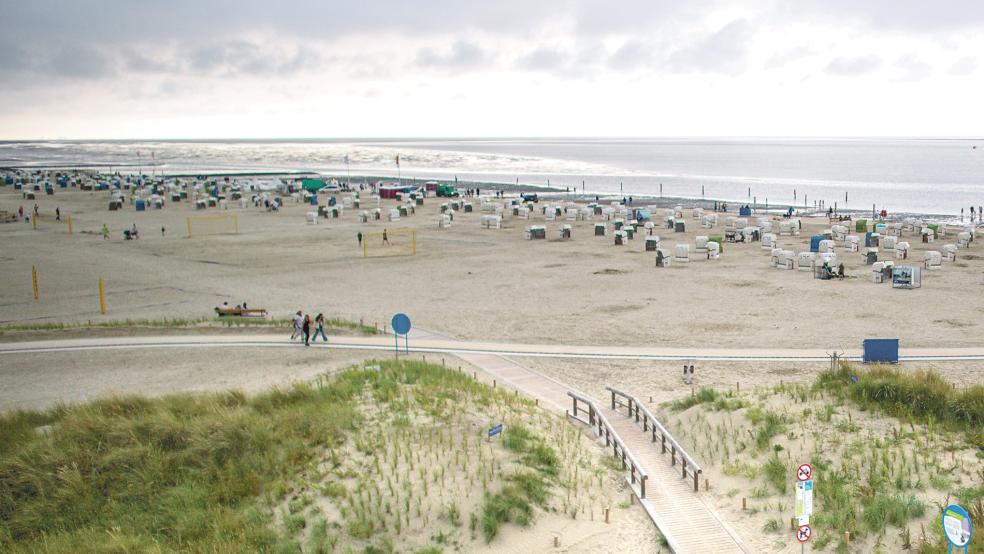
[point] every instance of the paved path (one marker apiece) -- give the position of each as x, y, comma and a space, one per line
424, 342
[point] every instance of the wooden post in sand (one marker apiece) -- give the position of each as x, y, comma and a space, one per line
606, 514
744, 504
34, 280
102, 297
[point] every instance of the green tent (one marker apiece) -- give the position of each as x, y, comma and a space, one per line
312, 185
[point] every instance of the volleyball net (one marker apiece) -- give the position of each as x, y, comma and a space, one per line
389, 242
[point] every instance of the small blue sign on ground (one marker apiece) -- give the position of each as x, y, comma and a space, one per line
495, 430
401, 324
881, 351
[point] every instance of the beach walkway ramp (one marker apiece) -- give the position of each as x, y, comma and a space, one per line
680, 514
671, 501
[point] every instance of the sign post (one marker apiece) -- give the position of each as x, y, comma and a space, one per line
957, 527
401, 326
804, 503
494, 430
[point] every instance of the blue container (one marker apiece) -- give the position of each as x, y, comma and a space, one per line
8, 180
815, 243
140, 205
314, 199
881, 351
867, 238
744, 211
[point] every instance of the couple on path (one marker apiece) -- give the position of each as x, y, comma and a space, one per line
302, 327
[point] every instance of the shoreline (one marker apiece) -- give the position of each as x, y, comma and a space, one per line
550, 192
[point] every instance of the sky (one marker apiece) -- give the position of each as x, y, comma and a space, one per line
124, 69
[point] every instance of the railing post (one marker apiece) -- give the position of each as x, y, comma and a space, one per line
696, 481
591, 417
637, 413
608, 442
575, 407
653, 431
664, 443
642, 486
613, 400
645, 423
673, 455
683, 461
623, 459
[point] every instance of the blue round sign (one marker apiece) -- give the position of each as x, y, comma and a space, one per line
401, 324
957, 525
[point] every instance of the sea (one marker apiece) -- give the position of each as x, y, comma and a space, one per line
937, 176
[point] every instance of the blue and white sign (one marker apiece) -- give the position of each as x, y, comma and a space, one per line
495, 430
957, 526
401, 324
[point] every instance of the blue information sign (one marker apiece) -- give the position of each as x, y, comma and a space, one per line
401, 324
957, 526
495, 430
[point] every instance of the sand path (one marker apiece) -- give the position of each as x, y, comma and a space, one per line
425, 342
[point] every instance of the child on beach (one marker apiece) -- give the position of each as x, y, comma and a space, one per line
306, 327
105, 232
386, 240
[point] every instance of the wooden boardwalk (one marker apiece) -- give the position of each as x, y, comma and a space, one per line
680, 514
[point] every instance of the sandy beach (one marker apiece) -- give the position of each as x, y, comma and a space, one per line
469, 282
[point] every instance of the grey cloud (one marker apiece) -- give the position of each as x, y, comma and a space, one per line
911, 15
853, 66
633, 54
964, 66
721, 52
231, 59
462, 56
80, 61
543, 59
913, 68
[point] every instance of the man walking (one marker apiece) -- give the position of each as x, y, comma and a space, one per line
386, 239
298, 323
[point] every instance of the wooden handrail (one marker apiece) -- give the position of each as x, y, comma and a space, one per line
603, 428
650, 423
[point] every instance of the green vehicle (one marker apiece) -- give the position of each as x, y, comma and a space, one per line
447, 191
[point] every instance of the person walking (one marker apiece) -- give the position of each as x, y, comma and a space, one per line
20, 212
162, 230
358, 236
105, 232
319, 329
306, 327
386, 239
298, 323
58, 213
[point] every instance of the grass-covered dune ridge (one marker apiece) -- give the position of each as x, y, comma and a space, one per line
182, 472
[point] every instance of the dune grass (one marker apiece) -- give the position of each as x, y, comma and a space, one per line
178, 473
923, 396
181, 323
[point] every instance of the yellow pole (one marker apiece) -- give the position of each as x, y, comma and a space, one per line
413, 242
70, 225
102, 297
34, 222
365, 239
34, 280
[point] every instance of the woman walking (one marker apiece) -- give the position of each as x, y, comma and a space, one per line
307, 329
319, 328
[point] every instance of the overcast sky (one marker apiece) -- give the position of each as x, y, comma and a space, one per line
385, 68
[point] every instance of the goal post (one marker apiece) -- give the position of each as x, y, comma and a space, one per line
389, 242
218, 224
